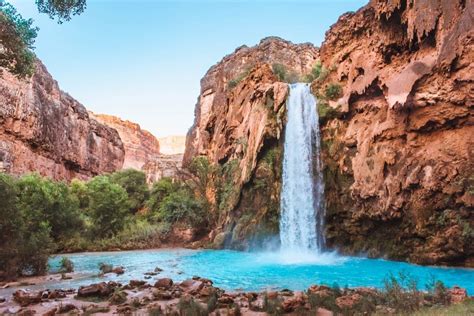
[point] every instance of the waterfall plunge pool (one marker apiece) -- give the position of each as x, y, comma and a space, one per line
253, 271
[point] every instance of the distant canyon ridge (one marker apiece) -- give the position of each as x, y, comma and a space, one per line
45, 130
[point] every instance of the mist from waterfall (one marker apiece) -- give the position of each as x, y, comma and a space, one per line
302, 194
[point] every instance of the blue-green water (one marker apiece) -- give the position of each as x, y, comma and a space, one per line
233, 270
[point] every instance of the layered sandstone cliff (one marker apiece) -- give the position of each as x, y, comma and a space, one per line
238, 129
140, 145
398, 143
44, 130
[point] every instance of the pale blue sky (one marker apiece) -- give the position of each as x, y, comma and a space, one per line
142, 60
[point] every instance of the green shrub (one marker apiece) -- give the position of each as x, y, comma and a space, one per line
119, 296
333, 91
162, 188
234, 82
134, 183
108, 206
325, 112
51, 203
182, 207
11, 228
280, 71
272, 306
66, 265
318, 72
401, 293
189, 307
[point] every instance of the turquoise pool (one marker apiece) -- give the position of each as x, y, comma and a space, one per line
233, 270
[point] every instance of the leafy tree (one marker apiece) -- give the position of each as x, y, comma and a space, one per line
182, 207
17, 37
134, 182
11, 228
108, 206
50, 202
80, 193
161, 189
63, 10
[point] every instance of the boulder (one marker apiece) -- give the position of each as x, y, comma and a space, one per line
25, 298
102, 289
457, 294
162, 295
291, 303
348, 301
118, 270
191, 286
136, 283
164, 283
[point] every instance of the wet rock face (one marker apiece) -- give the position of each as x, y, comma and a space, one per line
45, 130
398, 154
238, 129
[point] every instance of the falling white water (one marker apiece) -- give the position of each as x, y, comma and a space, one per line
302, 194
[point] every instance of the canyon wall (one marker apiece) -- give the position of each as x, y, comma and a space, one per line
238, 131
143, 150
140, 145
398, 138
43, 129
395, 99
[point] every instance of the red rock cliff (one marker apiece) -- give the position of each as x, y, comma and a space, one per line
140, 145
45, 130
398, 143
238, 128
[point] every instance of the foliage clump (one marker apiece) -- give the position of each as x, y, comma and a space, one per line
283, 74
66, 265
39, 216
17, 38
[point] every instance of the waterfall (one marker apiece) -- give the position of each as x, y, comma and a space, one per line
302, 195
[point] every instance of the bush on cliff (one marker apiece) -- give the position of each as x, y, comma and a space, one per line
134, 183
108, 206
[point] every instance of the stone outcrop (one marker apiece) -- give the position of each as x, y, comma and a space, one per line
397, 140
140, 145
238, 129
43, 129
